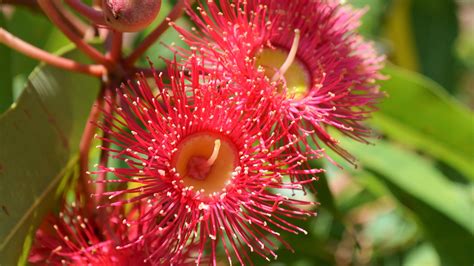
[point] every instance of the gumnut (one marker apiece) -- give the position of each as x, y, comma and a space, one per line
130, 15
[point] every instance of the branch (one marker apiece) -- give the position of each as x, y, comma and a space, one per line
39, 54
115, 52
70, 18
79, 26
31, 4
55, 17
92, 14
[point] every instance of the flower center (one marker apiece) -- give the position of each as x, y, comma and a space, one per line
206, 161
282, 66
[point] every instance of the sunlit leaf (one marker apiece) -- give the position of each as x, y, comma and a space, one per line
420, 114
39, 138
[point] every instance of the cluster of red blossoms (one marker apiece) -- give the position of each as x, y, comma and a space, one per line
210, 150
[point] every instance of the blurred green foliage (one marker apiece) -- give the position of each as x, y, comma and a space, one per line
410, 201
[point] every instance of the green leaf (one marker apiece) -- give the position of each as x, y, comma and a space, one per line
39, 139
310, 247
424, 254
399, 33
441, 207
6, 94
435, 28
420, 114
169, 37
19, 24
44, 36
372, 20
15, 66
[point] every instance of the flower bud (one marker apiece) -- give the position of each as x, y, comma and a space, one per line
130, 15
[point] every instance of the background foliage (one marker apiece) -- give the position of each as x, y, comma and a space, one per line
409, 201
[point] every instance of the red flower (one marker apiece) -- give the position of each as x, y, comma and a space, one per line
308, 50
208, 172
81, 237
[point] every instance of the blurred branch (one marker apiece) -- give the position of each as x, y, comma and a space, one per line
76, 24
90, 13
39, 54
31, 4
55, 17
70, 18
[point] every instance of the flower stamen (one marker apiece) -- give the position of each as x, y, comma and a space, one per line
285, 69
291, 57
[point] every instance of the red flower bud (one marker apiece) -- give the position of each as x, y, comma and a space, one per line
130, 15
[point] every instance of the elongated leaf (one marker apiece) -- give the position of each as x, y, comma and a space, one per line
6, 93
45, 36
435, 29
419, 113
39, 137
398, 29
16, 65
442, 208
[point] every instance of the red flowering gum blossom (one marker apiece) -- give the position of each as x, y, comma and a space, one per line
209, 173
308, 50
81, 237
130, 15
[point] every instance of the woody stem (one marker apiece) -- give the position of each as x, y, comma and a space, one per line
92, 14
32, 4
70, 18
55, 17
21, 46
115, 53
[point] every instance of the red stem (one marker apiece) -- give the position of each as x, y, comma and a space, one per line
115, 53
71, 19
79, 26
96, 3
31, 4
177, 11
39, 54
85, 144
55, 17
92, 14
